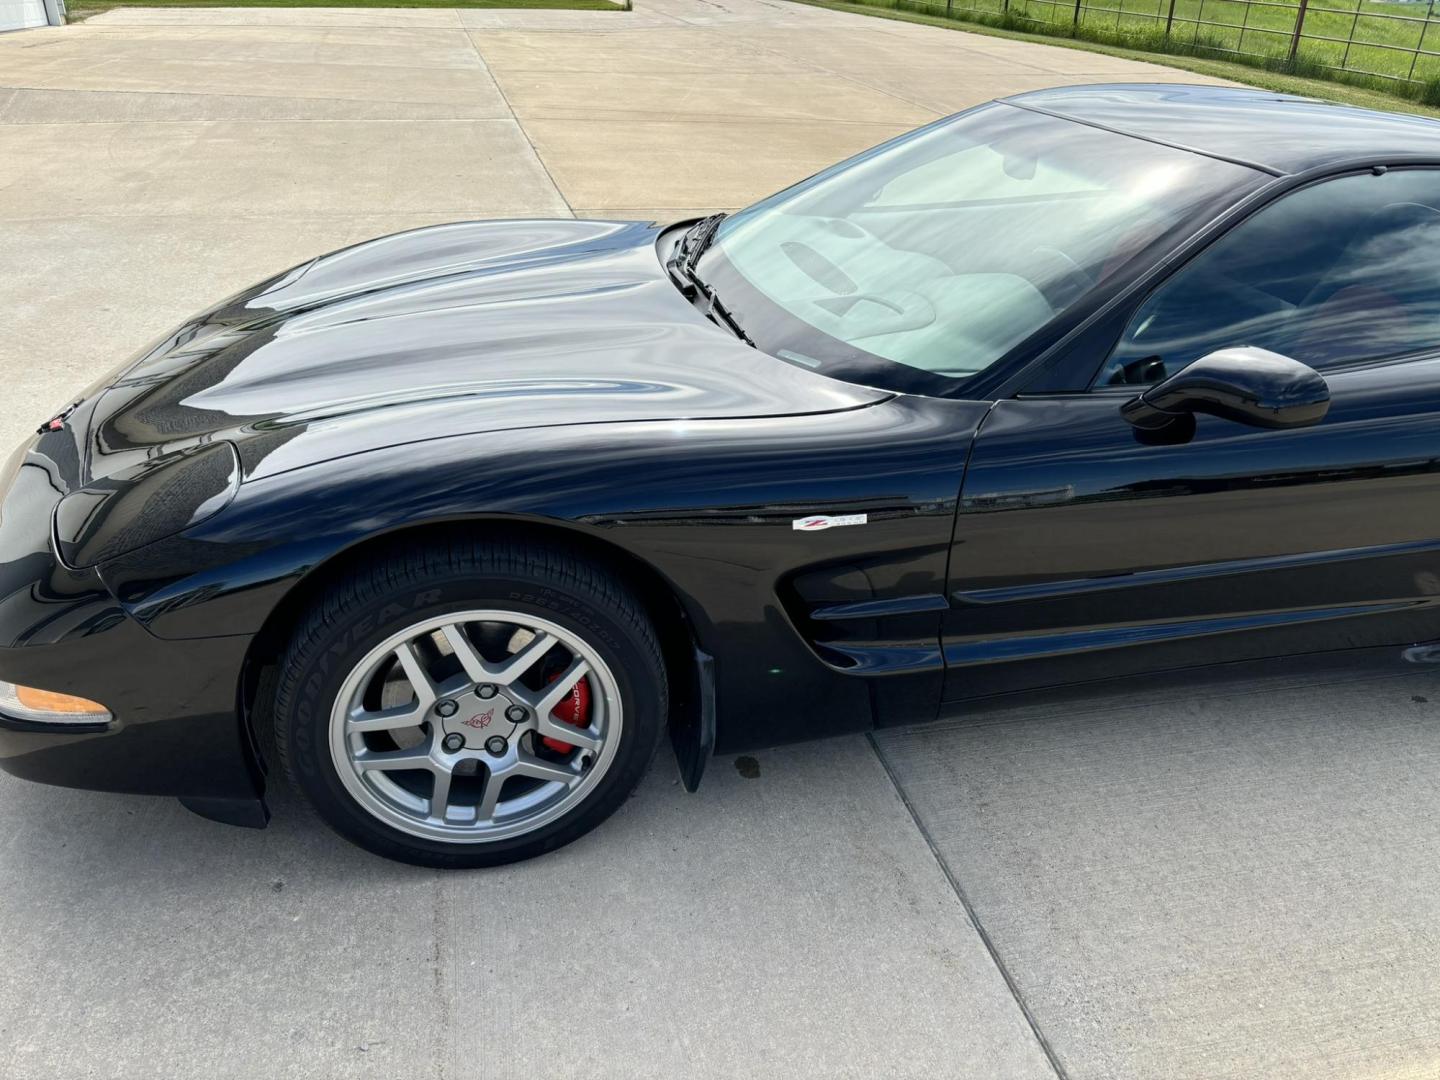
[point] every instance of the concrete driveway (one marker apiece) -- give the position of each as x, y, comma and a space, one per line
152, 160
1174, 881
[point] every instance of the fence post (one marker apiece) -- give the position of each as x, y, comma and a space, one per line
1354, 24
1299, 27
1076, 23
948, 5
1170, 20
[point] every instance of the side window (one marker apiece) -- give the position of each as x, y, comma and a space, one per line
1345, 270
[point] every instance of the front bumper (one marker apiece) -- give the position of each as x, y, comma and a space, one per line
176, 728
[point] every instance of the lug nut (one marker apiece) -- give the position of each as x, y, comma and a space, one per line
485, 690
447, 708
453, 742
496, 745
515, 713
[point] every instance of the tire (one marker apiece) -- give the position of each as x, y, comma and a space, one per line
383, 723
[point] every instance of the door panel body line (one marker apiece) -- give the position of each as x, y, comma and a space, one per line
1081, 552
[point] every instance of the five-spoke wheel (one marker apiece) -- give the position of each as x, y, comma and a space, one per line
466, 704
466, 726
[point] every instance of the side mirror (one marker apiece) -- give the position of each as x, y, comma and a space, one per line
1248, 385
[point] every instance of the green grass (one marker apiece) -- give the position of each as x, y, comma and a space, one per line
85, 8
1232, 31
1266, 31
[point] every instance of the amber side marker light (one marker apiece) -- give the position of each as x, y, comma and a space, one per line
48, 706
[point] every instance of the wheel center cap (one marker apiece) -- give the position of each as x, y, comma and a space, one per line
477, 720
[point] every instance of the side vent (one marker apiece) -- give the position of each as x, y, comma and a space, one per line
855, 628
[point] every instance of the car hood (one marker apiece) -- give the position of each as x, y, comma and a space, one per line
457, 329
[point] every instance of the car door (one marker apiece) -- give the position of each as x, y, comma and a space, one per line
1086, 549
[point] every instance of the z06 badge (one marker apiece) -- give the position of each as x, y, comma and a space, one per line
816, 522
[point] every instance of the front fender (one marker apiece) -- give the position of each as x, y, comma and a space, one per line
707, 505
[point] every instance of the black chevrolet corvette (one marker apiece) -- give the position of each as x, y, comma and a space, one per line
451, 526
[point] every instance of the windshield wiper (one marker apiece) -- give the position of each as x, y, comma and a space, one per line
697, 239
692, 285
719, 313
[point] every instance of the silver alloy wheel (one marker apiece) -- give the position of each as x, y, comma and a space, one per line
442, 696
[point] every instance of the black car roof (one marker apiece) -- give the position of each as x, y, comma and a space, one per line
1276, 132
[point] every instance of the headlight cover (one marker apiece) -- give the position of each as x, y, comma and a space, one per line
140, 505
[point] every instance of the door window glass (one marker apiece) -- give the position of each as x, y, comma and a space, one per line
1343, 271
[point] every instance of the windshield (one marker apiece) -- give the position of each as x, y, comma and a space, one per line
931, 258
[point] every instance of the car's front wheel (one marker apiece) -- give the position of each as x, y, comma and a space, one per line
470, 703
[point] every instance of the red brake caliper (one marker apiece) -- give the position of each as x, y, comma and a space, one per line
573, 709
